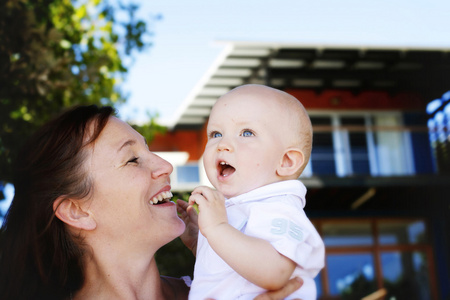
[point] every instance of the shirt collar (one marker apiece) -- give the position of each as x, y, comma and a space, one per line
286, 187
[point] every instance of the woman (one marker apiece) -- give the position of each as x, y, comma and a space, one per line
91, 208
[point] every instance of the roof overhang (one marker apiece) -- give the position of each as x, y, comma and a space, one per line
317, 67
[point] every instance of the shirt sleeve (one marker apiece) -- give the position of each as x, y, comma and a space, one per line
290, 232
187, 280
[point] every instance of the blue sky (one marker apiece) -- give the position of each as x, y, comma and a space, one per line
184, 41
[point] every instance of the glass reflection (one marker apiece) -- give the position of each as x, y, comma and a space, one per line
319, 287
405, 275
351, 276
402, 232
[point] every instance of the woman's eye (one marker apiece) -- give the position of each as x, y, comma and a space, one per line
247, 133
215, 134
133, 160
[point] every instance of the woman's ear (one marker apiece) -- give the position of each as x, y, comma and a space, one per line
290, 163
71, 213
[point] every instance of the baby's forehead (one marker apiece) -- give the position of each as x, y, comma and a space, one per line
247, 106
264, 98
254, 96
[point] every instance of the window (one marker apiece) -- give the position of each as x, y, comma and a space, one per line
438, 123
357, 140
188, 174
352, 276
367, 143
364, 256
322, 154
392, 147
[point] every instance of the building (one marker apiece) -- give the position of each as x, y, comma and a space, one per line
378, 179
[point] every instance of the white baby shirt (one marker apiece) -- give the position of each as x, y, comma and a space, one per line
274, 213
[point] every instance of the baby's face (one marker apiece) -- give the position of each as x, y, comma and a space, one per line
246, 142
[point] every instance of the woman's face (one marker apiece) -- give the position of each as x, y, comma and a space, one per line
127, 179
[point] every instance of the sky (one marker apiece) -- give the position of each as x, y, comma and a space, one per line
186, 39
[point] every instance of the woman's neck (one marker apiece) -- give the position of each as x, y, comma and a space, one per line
122, 277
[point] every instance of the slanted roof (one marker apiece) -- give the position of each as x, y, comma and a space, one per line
318, 67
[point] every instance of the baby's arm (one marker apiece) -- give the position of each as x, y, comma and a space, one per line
253, 258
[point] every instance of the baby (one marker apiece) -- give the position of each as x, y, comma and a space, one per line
255, 235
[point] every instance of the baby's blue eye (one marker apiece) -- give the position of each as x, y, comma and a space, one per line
247, 133
216, 134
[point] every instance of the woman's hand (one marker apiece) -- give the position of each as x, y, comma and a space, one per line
190, 218
292, 285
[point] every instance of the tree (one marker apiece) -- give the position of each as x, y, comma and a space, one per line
58, 53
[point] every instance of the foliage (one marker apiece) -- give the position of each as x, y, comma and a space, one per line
359, 288
175, 260
59, 53
149, 129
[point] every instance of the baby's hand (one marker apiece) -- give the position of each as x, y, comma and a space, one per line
211, 204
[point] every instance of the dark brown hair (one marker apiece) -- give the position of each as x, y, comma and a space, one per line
39, 258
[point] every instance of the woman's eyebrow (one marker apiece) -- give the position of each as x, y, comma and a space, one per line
127, 143
130, 143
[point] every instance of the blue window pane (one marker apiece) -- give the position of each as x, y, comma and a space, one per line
318, 280
406, 232
352, 276
422, 153
359, 153
322, 154
423, 157
358, 145
405, 275
188, 174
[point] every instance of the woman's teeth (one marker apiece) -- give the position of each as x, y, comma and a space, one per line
162, 197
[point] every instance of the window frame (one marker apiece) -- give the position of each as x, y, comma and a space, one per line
377, 249
340, 135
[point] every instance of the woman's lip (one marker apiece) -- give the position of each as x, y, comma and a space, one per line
167, 188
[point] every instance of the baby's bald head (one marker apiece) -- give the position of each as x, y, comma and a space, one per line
287, 114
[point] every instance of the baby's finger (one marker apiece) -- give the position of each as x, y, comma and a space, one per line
212, 195
199, 190
196, 198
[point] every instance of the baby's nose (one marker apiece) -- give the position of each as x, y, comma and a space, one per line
224, 145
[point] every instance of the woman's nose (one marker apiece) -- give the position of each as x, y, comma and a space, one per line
160, 166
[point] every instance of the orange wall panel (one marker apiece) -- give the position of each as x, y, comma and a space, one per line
341, 99
191, 141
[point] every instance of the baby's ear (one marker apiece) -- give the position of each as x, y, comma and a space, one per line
290, 163
71, 213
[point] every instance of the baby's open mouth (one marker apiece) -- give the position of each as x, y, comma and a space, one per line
161, 198
225, 169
